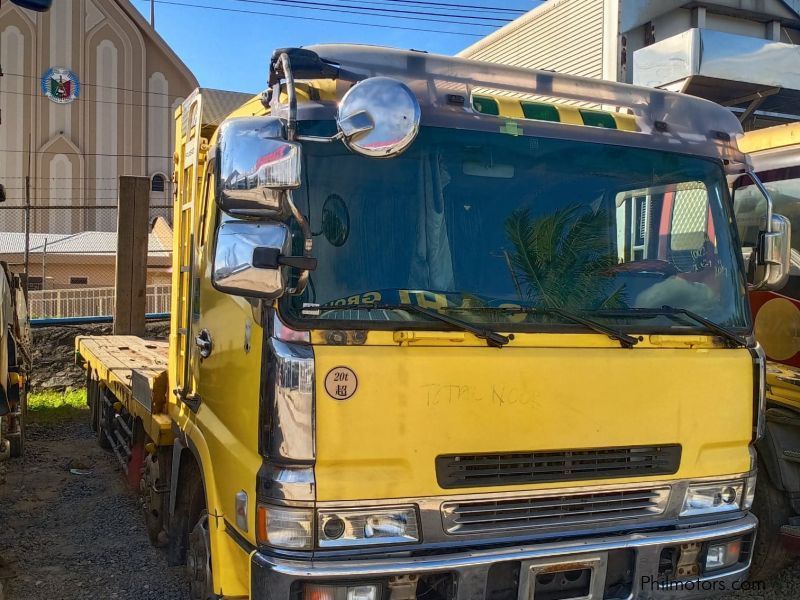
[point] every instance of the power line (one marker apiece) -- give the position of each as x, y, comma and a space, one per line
114, 102
310, 4
88, 154
61, 178
97, 85
518, 11
316, 19
513, 12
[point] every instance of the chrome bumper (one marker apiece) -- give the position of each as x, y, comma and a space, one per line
273, 578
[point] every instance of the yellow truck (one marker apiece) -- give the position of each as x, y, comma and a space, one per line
15, 341
443, 329
775, 156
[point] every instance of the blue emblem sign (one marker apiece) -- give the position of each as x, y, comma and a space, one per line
60, 85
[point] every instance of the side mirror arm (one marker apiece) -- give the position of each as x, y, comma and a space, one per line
271, 258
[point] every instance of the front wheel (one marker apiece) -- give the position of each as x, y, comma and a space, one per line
773, 510
198, 561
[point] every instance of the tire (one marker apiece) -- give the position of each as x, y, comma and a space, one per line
198, 560
188, 507
773, 510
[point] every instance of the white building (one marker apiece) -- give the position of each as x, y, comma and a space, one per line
91, 87
742, 53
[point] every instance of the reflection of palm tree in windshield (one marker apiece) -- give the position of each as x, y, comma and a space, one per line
562, 259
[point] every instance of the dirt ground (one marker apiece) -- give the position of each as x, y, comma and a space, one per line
71, 535
53, 352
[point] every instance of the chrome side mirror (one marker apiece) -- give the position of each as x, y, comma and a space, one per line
378, 117
255, 166
766, 236
252, 259
774, 252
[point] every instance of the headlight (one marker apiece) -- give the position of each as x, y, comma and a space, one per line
285, 527
711, 498
367, 527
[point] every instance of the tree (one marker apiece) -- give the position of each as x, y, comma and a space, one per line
562, 259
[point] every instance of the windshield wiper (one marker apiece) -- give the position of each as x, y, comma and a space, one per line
667, 310
625, 340
494, 339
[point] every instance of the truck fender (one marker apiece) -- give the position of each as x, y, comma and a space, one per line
183, 447
779, 449
179, 453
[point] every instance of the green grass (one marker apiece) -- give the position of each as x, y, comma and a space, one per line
47, 406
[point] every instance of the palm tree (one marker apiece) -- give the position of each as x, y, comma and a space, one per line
562, 259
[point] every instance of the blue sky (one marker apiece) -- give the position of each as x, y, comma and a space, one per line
229, 50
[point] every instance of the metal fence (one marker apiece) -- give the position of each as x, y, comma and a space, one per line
89, 302
69, 252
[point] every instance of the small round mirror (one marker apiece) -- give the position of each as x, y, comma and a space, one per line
335, 220
379, 117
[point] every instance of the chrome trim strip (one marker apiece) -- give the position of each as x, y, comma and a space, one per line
291, 395
433, 528
477, 558
508, 516
290, 486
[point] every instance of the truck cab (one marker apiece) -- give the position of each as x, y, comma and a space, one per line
450, 330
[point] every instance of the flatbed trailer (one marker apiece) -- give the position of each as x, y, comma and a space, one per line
131, 371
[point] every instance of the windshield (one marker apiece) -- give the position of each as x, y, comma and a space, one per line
479, 223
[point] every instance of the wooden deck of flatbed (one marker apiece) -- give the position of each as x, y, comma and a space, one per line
134, 370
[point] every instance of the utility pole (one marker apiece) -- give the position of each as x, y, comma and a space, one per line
153, 14
28, 210
130, 282
44, 264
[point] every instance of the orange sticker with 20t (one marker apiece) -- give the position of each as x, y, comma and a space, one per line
341, 383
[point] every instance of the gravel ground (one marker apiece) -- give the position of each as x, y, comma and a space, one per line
786, 586
77, 536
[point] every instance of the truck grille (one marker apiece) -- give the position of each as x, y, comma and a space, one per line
471, 470
486, 516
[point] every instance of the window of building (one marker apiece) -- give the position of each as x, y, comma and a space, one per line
34, 284
158, 183
78, 280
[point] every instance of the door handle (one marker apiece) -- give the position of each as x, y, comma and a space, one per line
203, 343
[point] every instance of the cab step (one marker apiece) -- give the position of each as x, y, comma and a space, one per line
792, 455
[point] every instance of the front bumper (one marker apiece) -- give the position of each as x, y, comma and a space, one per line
274, 578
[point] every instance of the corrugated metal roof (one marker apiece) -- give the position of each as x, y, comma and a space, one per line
86, 242
216, 106
561, 35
